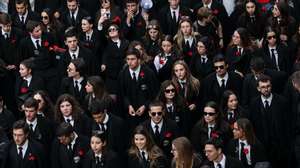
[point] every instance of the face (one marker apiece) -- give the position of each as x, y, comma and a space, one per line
250, 8
45, 18
170, 92
24, 71
220, 68
86, 26
89, 88
6, 27
132, 61
271, 37
113, 32
174, 3
153, 33
99, 118
211, 152
66, 108
36, 32
186, 28
174, 152
21, 8
236, 39
140, 48
210, 115
40, 99
96, 144
180, 71
275, 11
296, 86
19, 136
72, 70
65, 140
30, 113
232, 103
238, 133
156, 114
201, 48
140, 141
105, 4
265, 88
131, 7
166, 46
72, 6
206, 1
72, 43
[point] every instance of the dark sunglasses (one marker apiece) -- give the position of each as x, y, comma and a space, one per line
45, 17
221, 67
210, 114
270, 37
169, 90
112, 29
154, 114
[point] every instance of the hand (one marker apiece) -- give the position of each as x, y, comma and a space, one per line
103, 67
221, 43
129, 16
192, 107
131, 110
141, 110
240, 73
145, 16
10, 67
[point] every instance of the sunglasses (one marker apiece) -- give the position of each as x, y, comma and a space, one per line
270, 37
156, 113
209, 114
169, 90
112, 30
45, 17
221, 67
152, 27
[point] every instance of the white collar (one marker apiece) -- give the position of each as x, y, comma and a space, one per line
25, 15
3, 33
225, 77
136, 71
79, 80
222, 162
34, 123
208, 5
28, 79
106, 119
159, 125
89, 34
74, 140
243, 141
34, 40
75, 12
269, 99
24, 147
76, 52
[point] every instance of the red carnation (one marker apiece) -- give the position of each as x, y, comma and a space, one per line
215, 11
46, 44
168, 134
139, 24
116, 20
246, 151
81, 152
190, 53
142, 74
161, 61
24, 90
237, 53
13, 40
31, 157
264, 9
214, 134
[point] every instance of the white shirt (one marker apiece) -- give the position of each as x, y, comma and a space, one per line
210, 127
4, 6
157, 62
276, 55
137, 72
32, 4
118, 42
189, 40
74, 140
105, 121
269, 99
229, 6
159, 125
89, 35
28, 79
219, 79
71, 120
34, 123
207, 5
24, 148
34, 41
25, 16
146, 154
222, 162
176, 13
3, 33
204, 57
78, 83
76, 52
75, 13
247, 146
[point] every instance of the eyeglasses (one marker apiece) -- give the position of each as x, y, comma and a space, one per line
169, 90
209, 114
152, 27
153, 114
45, 17
270, 37
112, 29
221, 67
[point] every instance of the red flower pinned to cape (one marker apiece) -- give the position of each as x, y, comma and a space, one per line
56, 48
237, 53
142, 74
81, 152
161, 61
31, 157
214, 134
264, 9
139, 24
13, 40
116, 20
190, 53
246, 151
168, 134
24, 90
215, 11
46, 43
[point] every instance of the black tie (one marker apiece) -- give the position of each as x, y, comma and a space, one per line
174, 17
273, 57
69, 121
243, 154
73, 18
144, 157
133, 76
210, 131
97, 158
219, 165
22, 19
102, 127
230, 116
252, 19
156, 131
25, 83
87, 38
223, 84
37, 42
203, 60
20, 152
31, 127
240, 50
73, 56
170, 109
267, 105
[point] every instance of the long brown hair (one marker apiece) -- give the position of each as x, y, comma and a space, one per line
76, 110
185, 152
245, 125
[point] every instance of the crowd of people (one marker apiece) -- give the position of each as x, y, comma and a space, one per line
149, 83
